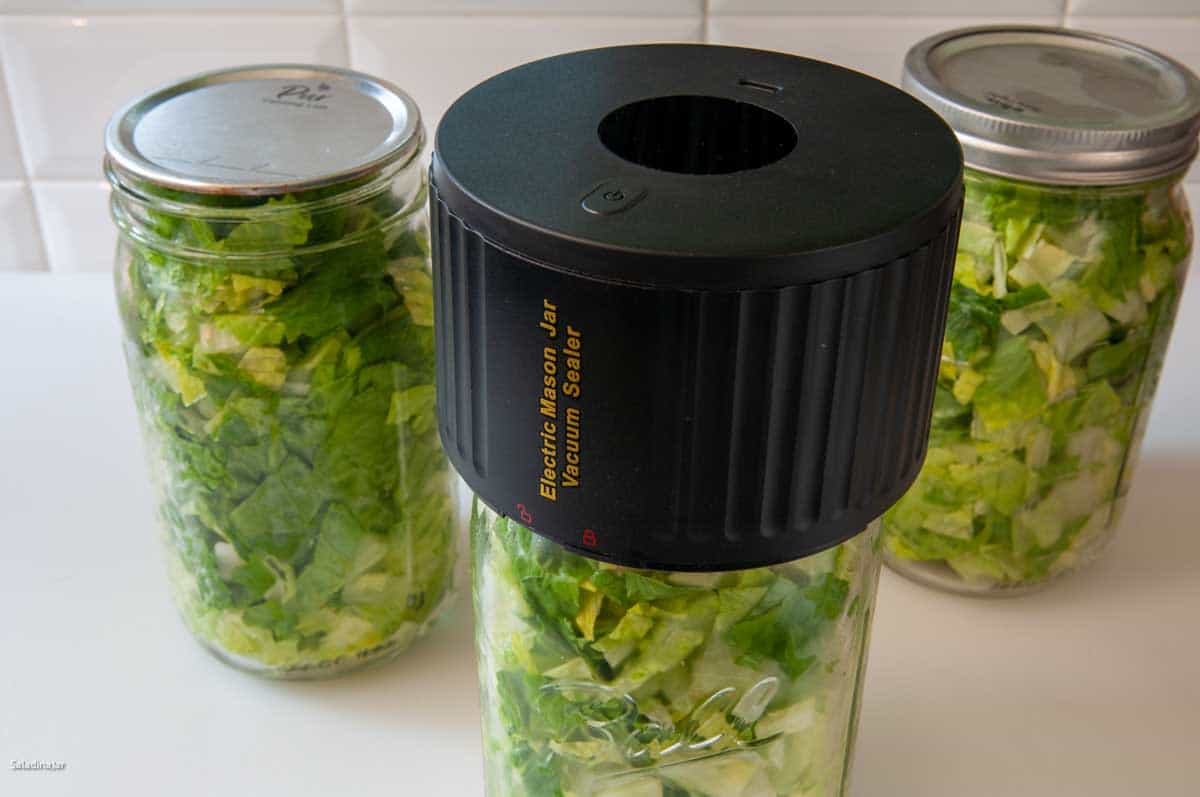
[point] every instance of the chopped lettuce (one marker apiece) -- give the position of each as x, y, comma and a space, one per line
1052, 351
281, 356
600, 680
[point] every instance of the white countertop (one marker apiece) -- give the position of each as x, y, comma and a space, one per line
1090, 688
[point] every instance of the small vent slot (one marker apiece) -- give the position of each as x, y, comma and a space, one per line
759, 85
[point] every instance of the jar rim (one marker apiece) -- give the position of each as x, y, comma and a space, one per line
1173, 175
128, 200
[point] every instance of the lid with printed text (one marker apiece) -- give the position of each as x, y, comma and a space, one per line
263, 130
690, 299
1055, 105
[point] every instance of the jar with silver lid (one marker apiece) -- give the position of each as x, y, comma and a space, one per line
272, 275
1071, 258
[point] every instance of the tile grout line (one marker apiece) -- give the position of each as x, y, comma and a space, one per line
341, 10
167, 14
557, 15
22, 150
43, 233
346, 34
43, 240
26, 178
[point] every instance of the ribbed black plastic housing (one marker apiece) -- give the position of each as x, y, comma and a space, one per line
724, 392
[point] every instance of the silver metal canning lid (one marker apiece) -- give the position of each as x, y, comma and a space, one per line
1059, 106
258, 130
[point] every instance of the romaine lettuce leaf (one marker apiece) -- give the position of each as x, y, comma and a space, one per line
281, 354
1050, 361
605, 680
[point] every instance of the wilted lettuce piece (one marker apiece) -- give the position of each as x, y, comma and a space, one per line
606, 680
285, 382
1052, 351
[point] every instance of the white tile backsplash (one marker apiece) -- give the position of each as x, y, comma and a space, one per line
68, 75
593, 7
20, 239
70, 63
1178, 37
885, 8
872, 45
1140, 8
78, 233
437, 59
85, 7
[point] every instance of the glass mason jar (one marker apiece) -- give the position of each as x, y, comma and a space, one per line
1061, 310
604, 680
280, 350
1060, 313
681, 424
1071, 259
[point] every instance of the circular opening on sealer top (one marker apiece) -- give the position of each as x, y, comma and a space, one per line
697, 134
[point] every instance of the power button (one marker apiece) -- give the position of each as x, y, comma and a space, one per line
613, 196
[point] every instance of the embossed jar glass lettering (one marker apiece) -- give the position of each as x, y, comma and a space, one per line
683, 405
605, 680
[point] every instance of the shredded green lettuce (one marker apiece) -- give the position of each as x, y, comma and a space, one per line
281, 356
602, 680
1060, 312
